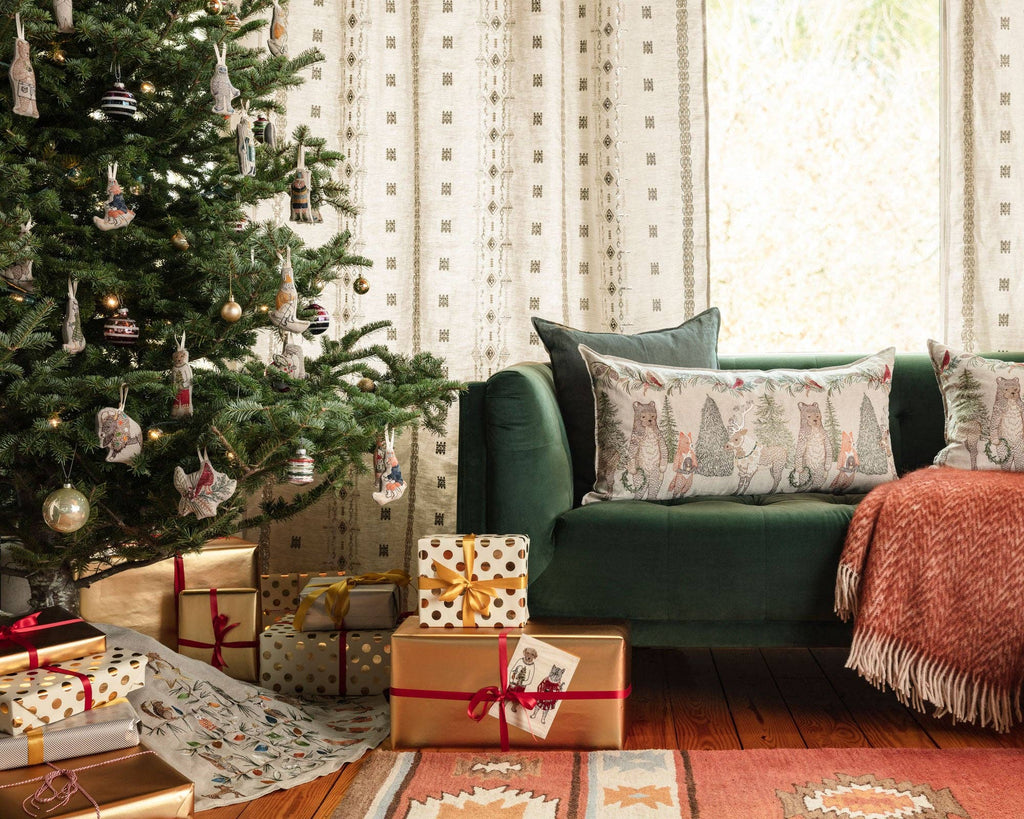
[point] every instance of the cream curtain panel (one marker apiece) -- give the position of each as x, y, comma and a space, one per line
983, 174
509, 158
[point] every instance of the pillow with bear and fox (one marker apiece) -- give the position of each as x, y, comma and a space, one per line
983, 410
665, 432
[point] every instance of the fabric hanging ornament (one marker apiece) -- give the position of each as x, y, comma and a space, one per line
299, 469
74, 339
302, 192
118, 432
264, 131
388, 474
23, 78
204, 490
285, 313
290, 362
181, 379
19, 274
117, 213
62, 14
245, 145
220, 84
278, 42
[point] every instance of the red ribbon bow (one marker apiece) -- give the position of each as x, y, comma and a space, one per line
18, 631
499, 694
220, 629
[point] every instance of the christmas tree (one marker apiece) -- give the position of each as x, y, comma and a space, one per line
714, 458
137, 138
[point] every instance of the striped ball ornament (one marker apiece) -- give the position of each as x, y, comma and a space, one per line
300, 469
121, 329
319, 319
119, 102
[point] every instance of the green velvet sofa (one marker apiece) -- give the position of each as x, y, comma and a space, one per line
716, 571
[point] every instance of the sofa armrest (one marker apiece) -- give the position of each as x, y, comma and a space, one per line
524, 457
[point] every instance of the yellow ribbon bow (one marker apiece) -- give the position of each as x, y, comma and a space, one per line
476, 594
336, 596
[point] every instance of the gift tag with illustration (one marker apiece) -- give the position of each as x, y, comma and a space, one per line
204, 490
119, 433
537, 668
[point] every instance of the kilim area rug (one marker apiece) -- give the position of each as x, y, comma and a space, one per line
780, 784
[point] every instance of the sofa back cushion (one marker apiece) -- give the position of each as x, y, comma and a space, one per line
666, 433
694, 343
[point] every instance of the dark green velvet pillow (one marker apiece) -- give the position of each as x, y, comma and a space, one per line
694, 343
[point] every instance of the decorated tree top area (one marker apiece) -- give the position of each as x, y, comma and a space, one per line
135, 419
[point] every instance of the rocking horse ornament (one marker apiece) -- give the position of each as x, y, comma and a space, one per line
284, 315
117, 214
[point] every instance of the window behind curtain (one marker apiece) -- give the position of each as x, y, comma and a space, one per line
824, 173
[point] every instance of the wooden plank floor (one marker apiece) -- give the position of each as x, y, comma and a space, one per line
721, 699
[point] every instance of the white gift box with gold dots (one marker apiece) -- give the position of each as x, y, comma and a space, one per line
43, 696
317, 663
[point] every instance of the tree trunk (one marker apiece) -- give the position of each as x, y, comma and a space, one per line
54, 587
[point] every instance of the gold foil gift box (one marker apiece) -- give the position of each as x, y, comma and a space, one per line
366, 601
219, 627
46, 637
430, 665
468, 581
32, 699
146, 598
110, 728
318, 663
279, 593
133, 784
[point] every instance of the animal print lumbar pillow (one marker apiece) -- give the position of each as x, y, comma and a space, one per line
668, 433
983, 410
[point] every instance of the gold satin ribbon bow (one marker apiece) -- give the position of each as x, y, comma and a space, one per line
476, 594
336, 596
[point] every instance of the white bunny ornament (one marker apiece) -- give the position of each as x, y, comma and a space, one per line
220, 84
74, 338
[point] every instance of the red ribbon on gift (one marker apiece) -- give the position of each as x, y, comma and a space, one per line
18, 631
179, 575
84, 678
220, 629
499, 694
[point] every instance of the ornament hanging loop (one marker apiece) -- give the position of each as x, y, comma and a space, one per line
124, 397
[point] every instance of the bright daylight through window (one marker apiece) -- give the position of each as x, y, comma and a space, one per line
824, 173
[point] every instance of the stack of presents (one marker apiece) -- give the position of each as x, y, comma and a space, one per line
467, 668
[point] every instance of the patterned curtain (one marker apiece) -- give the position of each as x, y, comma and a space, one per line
508, 158
983, 179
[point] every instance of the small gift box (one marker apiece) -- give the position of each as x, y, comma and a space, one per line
31, 699
317, 663
219, 627
357, 602
134, 784
46, 637
110, 728
146, 598
279, 593
473, 580
438, 673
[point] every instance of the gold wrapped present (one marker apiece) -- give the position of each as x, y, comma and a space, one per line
437, 673
110, 728
279, 593
315, 663
357, 602
31, 699
473, 580
46, 637
146, 598
219, 627
133, 784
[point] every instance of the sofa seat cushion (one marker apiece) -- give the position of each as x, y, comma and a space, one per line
751, 558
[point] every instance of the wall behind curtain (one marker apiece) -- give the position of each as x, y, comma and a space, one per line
983, 178
509, 158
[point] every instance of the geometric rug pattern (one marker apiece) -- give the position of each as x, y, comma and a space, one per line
830, 783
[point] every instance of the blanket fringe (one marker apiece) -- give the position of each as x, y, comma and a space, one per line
915, 679
847, 589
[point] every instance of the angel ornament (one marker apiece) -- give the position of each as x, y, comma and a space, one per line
302, 192
119, 433
284, 314
245, 144
220, 84
278, 42
74, 339
62, 13
204, 490
181, 379
117, 214
23, 77
19, 274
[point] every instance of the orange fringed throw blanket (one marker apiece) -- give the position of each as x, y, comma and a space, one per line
933, 571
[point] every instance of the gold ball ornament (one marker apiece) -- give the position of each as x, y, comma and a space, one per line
231, 311
179, 241
147, 88
66, 510
214, 6
361, 286
366, 384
